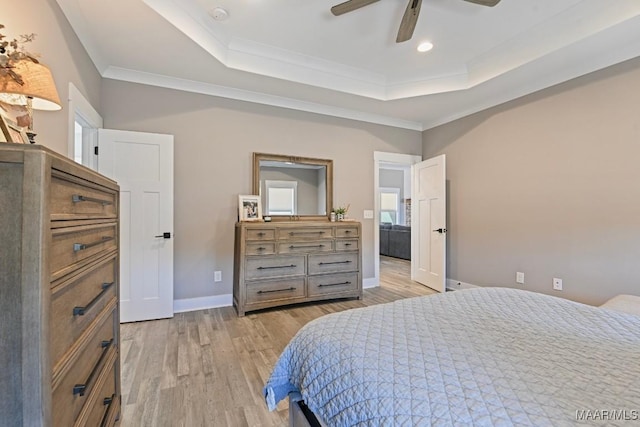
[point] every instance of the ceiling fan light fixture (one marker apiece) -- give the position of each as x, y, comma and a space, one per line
425, 47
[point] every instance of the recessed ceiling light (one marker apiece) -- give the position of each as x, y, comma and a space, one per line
425, 47
219, 14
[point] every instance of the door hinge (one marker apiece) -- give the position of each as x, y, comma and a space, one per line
95, 150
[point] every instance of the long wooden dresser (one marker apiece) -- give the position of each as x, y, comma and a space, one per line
59, 318
278, 263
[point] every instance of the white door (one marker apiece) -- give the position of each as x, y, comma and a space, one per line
428, 224
142, 163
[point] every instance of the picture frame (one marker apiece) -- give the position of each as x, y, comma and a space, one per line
249, 208
12, 132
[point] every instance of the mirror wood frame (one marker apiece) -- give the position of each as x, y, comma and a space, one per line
258, 157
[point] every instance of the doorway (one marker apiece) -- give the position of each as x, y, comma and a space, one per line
392, 189
143, 167
84, 122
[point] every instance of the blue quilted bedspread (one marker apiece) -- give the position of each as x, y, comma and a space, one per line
490, 356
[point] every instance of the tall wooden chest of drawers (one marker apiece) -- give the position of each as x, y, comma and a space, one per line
59, 318
278, 263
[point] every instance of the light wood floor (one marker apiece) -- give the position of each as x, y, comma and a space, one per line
208, 367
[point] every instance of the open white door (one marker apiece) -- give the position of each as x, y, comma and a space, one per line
142, 163
428, 225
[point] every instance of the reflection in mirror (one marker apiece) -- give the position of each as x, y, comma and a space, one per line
293, 186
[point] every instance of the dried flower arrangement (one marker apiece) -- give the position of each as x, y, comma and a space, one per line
13, 51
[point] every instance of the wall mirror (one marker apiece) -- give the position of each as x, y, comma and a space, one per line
293, 186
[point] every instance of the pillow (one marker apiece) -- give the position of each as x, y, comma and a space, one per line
624, 303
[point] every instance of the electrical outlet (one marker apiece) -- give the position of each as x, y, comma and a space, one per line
557, 284
217, 276
520, 277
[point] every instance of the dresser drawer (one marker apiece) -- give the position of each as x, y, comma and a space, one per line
74, 247
261, 234
275, 290
76, 303
333, 263
333, 284
304, 247
73, 198
262, 268
342, 232
347, 245
79, 379
313, 233
105, 401
262, 248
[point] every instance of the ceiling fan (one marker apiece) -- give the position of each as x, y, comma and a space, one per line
408, 24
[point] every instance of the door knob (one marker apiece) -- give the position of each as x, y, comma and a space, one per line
165, 235
441, 230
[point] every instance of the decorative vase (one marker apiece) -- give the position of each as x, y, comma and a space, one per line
340, 216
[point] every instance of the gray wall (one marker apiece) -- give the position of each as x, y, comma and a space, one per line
549, 185
59, 49
394, 178
214, 142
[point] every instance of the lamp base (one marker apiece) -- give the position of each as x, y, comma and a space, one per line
32, 137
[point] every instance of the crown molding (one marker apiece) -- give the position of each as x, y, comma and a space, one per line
558, 33
151, 79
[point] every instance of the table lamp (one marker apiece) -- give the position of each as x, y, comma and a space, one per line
37, 90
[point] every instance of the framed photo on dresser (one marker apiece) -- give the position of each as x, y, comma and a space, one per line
249, 208
12, 132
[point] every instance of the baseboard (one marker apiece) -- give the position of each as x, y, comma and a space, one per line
202, 303
457, 285
371, 282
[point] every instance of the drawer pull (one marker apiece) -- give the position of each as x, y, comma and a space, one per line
305, 246
77, 198
347, 244
77, 247
347, 231
334, 284
276, 266
80, 311
107, 401
82, 388
335, 262
277, 290
293, 233
261, 248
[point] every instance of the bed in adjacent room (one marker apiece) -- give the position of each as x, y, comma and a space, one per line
487, 356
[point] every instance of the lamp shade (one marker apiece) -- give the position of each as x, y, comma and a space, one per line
38, 85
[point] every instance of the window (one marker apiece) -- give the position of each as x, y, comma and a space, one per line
282, 197
389, 205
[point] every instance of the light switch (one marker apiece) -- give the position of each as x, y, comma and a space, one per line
368, 214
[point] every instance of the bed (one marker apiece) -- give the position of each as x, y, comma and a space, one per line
487, 356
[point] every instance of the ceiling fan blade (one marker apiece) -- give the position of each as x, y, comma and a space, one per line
489, 3
408, 24
349, 6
